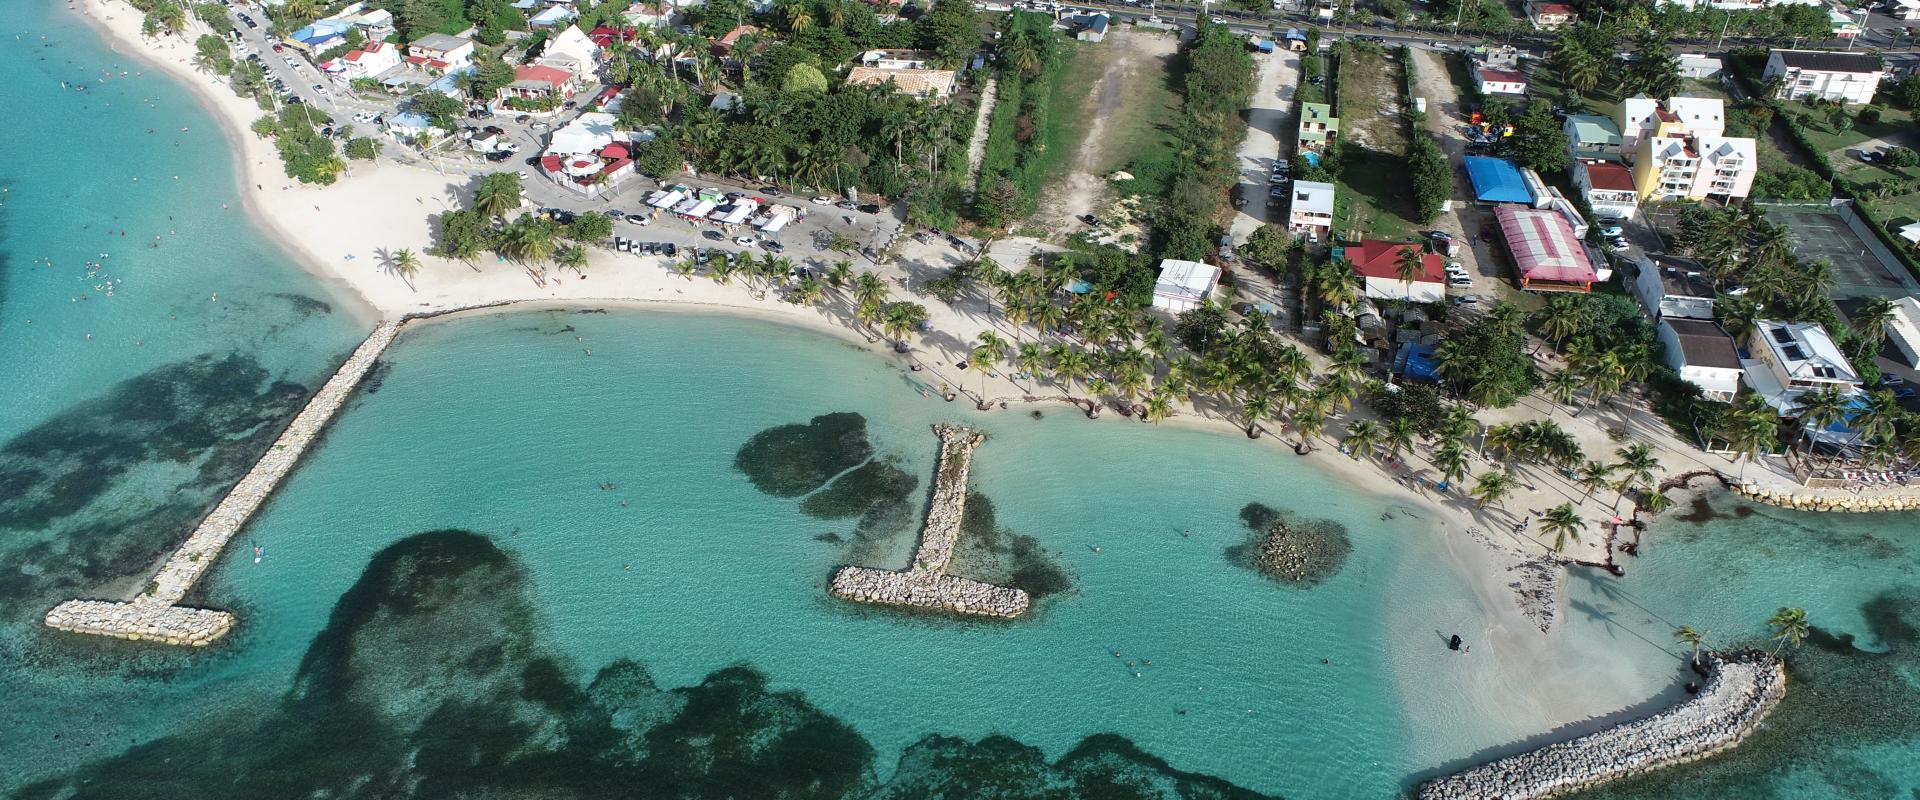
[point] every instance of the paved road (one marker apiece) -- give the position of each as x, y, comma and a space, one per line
1270, 132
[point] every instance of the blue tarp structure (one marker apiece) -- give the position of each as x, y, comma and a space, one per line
1079, 286
1497, 180
1420, 366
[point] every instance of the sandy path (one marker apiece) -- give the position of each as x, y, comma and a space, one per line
1128, 57
1270, 134
977, 146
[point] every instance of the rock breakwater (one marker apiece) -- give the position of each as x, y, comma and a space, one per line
1740, 689
925, 584
153, 614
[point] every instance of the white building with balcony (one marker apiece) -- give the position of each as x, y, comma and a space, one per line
1311, 210
1790, 359
1842, 77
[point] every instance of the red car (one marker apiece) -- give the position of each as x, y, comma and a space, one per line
279, 49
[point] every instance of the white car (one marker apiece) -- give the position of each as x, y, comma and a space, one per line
743, 241
1460, 281
822, 200
639, 219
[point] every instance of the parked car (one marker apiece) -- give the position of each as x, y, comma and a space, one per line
770, 191
669, 249
642, 219
318, 89
523, 119
1460, 281
773, 245
1890, 379
743, 241
1612, 232
714, 235
1617, 245
869, 208
1905, 394
1466, 299
1872, 156
848, 205
821, 200
276, 48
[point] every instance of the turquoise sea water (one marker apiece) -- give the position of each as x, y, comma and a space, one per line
446, 603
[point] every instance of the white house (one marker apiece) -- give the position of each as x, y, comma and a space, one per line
439, 53
1904, 9
1703, 355
1673, 287
1182, 285
1903, 329
1499, 81
1702, 66
1311, 212
368, 61
1607, 187
1793, 358
573, 51
1547, 15
1845, 77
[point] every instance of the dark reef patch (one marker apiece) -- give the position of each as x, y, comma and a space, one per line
1291, 549
219, 412
1840, 700
997, 555
792, 460
307, 306
860, 490
428, 681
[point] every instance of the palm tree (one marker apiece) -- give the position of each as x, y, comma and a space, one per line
1362, 437
1870, 321
529, 240
1789, 627
1401, 432
1692, 637
1159, 405
1070, 364
840, 274
904, 318
1452, 461
1562, 317
808, 291
1309, 421
1257, 407
1563, 523
573, 257
869, 289
685, 267
1593, 475
405, 264
497, 194
1031, 358
985, 356
1409, 266
723, 268
1752, 428
1638, 463
1562, 385
1820, 409
1491, 487
1878, 418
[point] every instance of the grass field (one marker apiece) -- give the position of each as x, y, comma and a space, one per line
1140, 136
1032, 131
1373, 198
1832, 140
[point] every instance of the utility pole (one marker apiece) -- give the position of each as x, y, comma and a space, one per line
1725, 23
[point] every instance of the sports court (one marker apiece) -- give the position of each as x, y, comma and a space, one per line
1860, 268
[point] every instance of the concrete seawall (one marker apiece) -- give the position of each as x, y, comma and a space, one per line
152, 615
926, 584
1741, 689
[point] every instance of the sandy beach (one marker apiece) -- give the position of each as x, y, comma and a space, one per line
344, 233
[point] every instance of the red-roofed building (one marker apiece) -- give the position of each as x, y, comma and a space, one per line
536, 82
368, 61
725, 44
606, 35
1499, 81
1608, 187
1378, 264
1547, 15
1545, 252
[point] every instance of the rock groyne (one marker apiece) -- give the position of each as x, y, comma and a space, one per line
1740, 690
925, 584
153, 614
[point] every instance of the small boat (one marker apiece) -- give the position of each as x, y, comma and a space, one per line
258, 551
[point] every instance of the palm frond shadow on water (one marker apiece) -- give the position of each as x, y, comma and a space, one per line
429, 680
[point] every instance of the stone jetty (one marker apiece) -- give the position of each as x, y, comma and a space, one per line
1739, 691
926, 584
153, 615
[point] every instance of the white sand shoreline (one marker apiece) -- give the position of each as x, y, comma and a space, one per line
339, 233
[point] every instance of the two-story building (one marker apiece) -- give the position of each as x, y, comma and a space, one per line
1318, 128
1607, 186
438, 53
1547, 15
538, 83
1311, 212
1701, 353
1789, 359
370, 60
1841, 77
1671, 286
574, 51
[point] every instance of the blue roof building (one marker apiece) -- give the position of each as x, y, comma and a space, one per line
1497, 180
